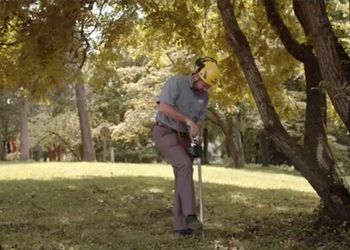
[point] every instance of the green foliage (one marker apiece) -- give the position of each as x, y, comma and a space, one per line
339, 15
204, 20
47, 128
131, 47
65, 125
275, 64
172, 23
37, 57
141, 105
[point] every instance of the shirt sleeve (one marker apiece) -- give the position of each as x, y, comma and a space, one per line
169, 92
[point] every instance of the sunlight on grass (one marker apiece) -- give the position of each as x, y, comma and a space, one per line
129, 206
239, 177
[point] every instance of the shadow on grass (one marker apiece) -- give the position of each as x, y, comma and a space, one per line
135, 213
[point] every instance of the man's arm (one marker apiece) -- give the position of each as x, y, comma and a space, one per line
171, 112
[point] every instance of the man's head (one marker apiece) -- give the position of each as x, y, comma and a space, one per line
207, 70
199, 85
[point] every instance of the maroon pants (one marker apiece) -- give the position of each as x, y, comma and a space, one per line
168, 143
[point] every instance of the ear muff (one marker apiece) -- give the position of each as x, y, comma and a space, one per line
200, 62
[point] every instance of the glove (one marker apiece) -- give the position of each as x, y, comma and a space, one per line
195, 150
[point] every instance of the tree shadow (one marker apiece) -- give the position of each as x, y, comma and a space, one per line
136, 213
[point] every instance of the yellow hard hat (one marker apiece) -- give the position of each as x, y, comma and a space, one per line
208, 70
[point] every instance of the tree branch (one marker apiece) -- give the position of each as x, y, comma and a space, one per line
300, 52
4, 44
217, 119
66, 143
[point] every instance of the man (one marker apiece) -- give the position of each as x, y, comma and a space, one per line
182, 107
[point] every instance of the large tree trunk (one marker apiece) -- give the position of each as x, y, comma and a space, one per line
344, 57
24, 138
326, 183
329, 54
315, 139
84, 120
315, 118
4, 137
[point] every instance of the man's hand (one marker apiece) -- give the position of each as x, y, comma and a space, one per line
193, 128
170, 111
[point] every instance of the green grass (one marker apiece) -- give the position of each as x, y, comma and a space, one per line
128, 206
254, 177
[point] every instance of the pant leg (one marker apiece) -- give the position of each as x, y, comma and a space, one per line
184, 201
178, 220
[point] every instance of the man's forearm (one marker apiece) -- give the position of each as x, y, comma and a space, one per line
171, 112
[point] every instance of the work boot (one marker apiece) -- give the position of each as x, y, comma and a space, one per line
192, 222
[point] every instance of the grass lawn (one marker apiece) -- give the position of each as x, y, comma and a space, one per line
128, 206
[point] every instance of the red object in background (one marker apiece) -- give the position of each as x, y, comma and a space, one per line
59, 152
50, 153
13, 146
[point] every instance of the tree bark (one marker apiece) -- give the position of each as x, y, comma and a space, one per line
315, 139
5, 135
327, 50
239, 140
344, 58
84, 120
328, 185
264, 149
233, 146
24, 137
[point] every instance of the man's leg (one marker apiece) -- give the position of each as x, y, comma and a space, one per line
178, 222
184, 185
184, 201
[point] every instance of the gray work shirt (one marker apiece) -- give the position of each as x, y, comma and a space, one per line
178, 93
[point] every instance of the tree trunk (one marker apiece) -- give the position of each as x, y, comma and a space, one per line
231, 149
315, 139
264, 149
326, 183
327, 50
344, 58
5, 135
24, 138
228, 127
232, 145
84, 120
238, 140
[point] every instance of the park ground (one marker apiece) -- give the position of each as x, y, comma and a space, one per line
128, 206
